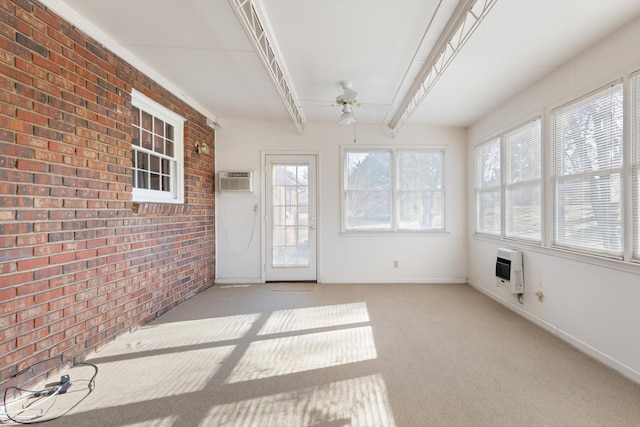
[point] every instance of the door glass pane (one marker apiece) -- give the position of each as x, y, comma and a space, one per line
290, 246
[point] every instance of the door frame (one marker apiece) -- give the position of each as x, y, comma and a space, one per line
263, 205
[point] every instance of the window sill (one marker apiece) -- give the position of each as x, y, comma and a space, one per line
628, 266
389, 233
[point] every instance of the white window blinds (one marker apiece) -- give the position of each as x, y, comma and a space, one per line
523, 157
488, 182
588, 147
635, 138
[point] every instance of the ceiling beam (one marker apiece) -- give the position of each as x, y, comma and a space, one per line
463, 22
251, 24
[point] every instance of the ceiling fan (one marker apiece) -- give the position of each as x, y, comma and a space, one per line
348, 99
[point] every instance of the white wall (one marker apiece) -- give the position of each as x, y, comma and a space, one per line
594, 304
341, 258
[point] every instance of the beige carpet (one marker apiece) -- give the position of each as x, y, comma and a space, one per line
350, 355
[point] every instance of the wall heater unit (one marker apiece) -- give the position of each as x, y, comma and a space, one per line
509, 274
235, 181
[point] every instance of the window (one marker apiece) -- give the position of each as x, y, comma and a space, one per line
593, 187
156, 143
510, 206
523, 173
393, 189
635, 137
588, 148
488, 187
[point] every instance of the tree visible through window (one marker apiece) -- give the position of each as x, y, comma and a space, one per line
588, 142
391, 190
523, 189
488, 190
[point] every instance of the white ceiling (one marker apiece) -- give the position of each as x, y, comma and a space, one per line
200, 48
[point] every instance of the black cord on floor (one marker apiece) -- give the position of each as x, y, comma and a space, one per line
35, 397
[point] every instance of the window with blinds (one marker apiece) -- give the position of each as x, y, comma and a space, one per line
523, 173
588, 150
487, 183
635, 138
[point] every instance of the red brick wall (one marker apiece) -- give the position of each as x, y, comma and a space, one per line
79, 262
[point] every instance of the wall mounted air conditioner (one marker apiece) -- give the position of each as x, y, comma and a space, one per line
509, 273
235, 182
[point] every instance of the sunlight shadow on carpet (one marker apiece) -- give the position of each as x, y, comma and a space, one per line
361, 401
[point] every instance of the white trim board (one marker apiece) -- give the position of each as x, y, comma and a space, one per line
585, 348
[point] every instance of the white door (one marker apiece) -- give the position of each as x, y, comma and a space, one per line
290, 217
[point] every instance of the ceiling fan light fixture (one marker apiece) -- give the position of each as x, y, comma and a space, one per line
347, 117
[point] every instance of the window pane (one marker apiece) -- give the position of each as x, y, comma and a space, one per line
368, 210
488, 164
420, 170
158, 145
155, 181
524, 153
154, 164
142, 161
135, 116
135, 135
420, 210
588, 135
146, 121
369, 171
488, 187
143, 179
588, 213
588, 166
368, 190
158, 127
488, 214
147, 140
523, 203
635, 136
523, 211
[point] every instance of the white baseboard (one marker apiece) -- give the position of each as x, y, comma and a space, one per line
234, 280
598, 355
347, 280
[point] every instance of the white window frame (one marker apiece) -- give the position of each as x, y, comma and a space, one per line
627, 258
176, 195
557, 177
504, 183
634, 137
511, 184
482, 187
394, 225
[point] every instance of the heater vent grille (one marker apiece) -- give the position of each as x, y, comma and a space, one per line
509, 274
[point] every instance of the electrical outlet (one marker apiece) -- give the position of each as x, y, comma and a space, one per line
395, 263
